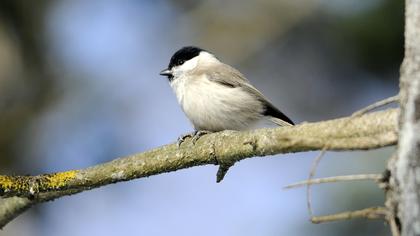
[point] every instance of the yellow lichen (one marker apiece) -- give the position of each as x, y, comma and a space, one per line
6, 182
13, 183
58, 180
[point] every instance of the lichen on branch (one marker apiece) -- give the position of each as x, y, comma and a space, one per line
374, 130
20, 185
370, 131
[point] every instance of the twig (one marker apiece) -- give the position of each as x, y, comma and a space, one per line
342, 178
222, 171
375, 105
393, 225
368, 213
311, 175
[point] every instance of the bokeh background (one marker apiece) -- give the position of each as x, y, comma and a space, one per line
79, 85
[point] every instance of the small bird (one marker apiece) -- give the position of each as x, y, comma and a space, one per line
216, 96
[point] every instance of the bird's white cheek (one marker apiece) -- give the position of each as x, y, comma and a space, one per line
190, 64
187, 66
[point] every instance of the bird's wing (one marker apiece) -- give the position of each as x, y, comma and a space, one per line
226, 75
231, 77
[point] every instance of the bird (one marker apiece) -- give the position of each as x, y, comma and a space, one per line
215, 96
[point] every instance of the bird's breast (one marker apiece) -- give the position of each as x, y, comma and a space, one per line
214, 107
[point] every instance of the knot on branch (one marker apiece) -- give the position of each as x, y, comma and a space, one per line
224, 159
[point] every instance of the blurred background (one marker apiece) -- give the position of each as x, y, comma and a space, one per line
79, 86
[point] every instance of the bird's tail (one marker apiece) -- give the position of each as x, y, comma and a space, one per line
279, 122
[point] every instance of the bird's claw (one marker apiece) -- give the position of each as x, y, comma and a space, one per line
182, 138
194, 135
198, 135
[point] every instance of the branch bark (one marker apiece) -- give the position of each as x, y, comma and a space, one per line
370, 131
405, 168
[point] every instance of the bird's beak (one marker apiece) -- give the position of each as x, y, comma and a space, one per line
166, 72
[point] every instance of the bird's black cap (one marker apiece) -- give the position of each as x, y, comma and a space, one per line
184, 54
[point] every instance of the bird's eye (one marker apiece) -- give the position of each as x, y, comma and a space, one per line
180, 62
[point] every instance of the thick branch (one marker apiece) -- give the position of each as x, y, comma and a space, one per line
370, 131
11, 207
405, 168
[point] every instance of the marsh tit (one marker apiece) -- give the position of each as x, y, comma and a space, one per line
216, 96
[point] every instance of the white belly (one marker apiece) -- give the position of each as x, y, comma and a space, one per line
215, 107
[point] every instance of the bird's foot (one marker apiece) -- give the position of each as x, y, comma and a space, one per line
194, 135
182, 138
198, 135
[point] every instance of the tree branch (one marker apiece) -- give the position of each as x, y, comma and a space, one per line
404, 194
377, 104
369, 213
12, 207
333, 179
374, 130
